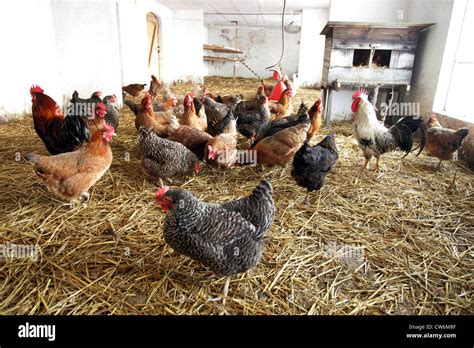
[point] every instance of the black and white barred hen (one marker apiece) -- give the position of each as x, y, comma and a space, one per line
312, 164
164, 158
228, 238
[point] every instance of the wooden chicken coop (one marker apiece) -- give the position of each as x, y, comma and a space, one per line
368, 55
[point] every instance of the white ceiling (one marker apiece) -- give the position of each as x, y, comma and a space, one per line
246, 12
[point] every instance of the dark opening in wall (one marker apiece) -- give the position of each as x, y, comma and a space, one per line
361, 58
381, 58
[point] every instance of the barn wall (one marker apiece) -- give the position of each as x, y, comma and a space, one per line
429, 80
261, 48
86, 46
311, 57
90, 45
187, 43
28, 55
369, 10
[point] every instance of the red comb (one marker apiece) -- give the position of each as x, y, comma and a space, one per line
359, 92
36, 89
161, 192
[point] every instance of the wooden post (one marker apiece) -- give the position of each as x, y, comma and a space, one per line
236, 47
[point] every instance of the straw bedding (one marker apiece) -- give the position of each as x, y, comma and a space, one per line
394, 242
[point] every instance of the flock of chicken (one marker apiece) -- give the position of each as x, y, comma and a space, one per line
180, 133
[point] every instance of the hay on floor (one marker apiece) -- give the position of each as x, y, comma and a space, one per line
398, 241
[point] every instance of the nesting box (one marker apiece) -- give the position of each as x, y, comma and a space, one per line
368, 55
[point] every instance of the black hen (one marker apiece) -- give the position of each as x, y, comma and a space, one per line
311, 164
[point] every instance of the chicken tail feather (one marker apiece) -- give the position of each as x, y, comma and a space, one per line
403, 132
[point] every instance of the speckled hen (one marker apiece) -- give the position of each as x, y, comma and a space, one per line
228, 238
163, 158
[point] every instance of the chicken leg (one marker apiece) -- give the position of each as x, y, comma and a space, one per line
377, 168
307, 198
226, 289
366, 163
439, 165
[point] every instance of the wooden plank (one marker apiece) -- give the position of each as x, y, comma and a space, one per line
331, 25
221, 49
363, 75
327, 60
342, 57
367, 45
220, 59
382, 34
406, 60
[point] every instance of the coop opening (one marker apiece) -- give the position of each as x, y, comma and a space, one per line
361, 58
381, 58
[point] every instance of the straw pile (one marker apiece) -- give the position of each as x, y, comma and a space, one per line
394, 242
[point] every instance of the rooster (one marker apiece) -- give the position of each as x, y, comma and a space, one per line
443, 142
228, 237
374, 138
59, 134
69, 176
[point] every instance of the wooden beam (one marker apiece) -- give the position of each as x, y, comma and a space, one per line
220, 59
221, 49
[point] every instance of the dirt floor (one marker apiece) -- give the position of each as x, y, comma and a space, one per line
394, 242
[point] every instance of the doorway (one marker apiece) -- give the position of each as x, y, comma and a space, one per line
153, 30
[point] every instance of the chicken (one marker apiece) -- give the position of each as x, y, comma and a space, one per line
215, 112
443, 142
254, 103
229, 99
59, 134
282, 123
194, 139
145, 117
221, 150
227, 238
190, 118
88, 109
134, 89
374, 138
69, 176
284, 106
155, 86
111, 114
279, 148
249, 122
163, 158
168, 104
315, 115
311, 164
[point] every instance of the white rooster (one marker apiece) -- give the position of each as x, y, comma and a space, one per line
374, 138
